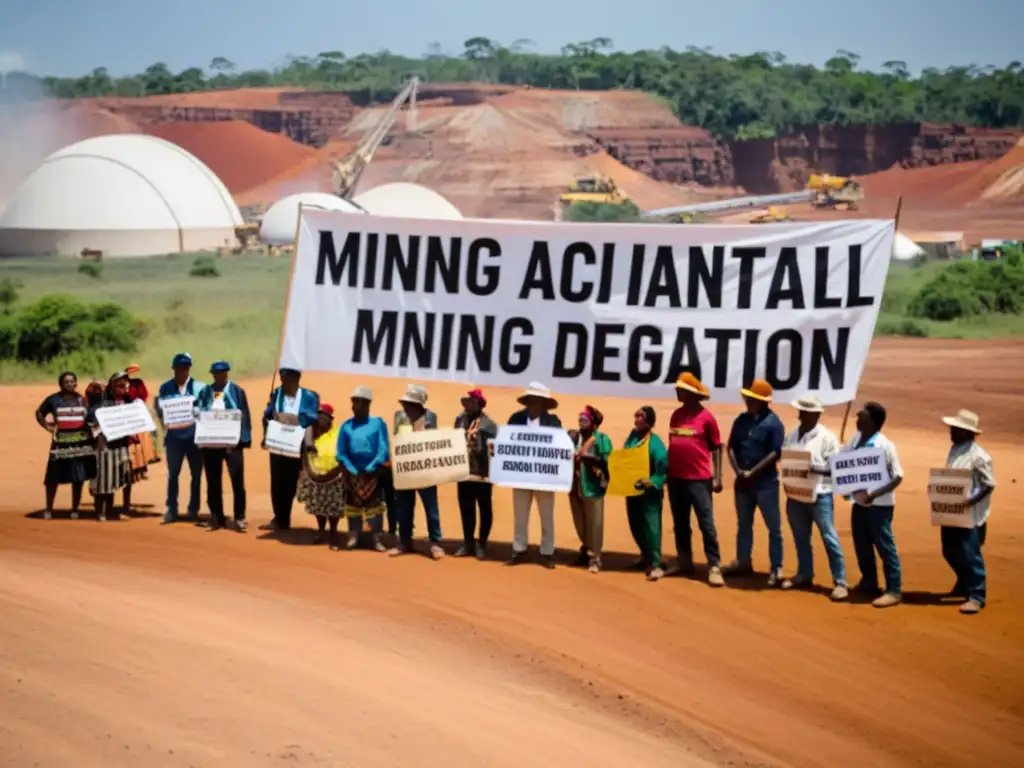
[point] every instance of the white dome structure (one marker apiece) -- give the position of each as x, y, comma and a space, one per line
278, 224
407, 200
124, 195
905, 249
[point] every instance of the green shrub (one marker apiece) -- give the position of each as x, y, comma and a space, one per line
91, 269
57, 327
973, 288
901, 326
204, 266
602, 212
9, 292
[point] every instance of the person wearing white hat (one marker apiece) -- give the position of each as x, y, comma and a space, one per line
820, 442
537, 405
416, 417
962, 546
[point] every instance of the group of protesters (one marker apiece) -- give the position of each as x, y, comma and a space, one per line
343, 472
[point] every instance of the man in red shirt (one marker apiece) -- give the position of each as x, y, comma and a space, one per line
694, 474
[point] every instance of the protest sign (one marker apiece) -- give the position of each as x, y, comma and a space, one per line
118, 421
589, 310
431, 457
626, 466
533, 458
219, 429
284, 439
860, 469
948, 491
177, 412
798, 482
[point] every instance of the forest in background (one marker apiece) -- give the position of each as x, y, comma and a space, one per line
760, 95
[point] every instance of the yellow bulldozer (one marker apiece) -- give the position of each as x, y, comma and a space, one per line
835, 191
597, 189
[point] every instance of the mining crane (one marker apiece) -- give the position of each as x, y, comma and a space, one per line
346, 172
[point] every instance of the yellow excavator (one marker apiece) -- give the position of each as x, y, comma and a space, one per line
835, 191
592, 189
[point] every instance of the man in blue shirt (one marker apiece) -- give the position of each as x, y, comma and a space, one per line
755, 445
180, 436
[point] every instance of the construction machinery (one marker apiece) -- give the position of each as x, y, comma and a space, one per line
835, 191
346, 172
771, 215
593, 189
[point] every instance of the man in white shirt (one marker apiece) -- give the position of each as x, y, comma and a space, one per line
871, 518
962, 546
820, 442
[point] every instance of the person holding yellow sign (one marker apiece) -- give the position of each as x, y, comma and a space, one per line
962, 546
644, 510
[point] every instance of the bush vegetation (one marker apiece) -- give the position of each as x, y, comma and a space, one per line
759, 95
204, 266
970, 289
602, 212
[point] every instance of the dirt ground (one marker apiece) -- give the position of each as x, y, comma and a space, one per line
131, 644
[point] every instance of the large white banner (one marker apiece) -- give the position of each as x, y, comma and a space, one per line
589, 309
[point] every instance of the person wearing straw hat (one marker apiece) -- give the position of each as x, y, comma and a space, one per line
476, 492
292, 405
416, 417
755, 444
872, 514
537, 405
694, 476
180, 440
362, 450
820, 442
961, 547
225, 395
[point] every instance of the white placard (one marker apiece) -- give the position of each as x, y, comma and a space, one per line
534, 458
219, 429
428, 458
948, 492
861, 469
118, 421
589, 309
284, 439
798, 482
177, 411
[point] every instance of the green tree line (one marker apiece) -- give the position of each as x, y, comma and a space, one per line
759, 95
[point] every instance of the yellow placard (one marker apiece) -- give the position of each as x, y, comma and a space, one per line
625, 467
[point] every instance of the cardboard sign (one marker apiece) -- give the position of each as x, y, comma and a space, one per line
428, 458
219, 429
284, 439
860, 469
533, 458
177, 411
799, 483
948, 492
119, 421
626, 467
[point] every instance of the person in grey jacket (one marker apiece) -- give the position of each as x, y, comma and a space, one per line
475, 492
415, 417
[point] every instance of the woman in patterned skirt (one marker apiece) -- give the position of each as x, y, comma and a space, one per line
113, 463
321, 486
72, 458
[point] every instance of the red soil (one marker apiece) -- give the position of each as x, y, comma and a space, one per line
242, 155
976, 186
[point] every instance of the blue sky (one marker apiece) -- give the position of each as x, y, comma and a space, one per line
71, 37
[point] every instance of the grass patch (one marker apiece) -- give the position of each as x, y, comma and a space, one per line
236, 317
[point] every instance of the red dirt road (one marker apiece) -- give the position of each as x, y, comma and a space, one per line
132, 644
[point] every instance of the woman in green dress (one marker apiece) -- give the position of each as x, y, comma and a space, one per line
644, 511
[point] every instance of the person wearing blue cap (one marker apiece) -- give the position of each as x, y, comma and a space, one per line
225, 395
179, 427
289, 404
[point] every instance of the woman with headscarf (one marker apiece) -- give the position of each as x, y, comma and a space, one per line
476, 491
72, 457
113, 463
143, 447
321, 486
590, 481
644, 511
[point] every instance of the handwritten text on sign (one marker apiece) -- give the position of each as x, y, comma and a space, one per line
121, 421
177, 411
431, 457
948, 491
799, 483
534, 458
606, 311
862, 469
